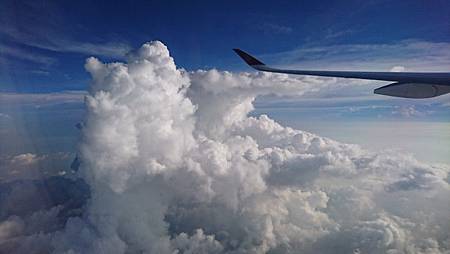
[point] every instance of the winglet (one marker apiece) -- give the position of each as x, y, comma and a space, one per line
250, 60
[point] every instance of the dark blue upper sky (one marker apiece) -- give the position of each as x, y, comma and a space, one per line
43, 44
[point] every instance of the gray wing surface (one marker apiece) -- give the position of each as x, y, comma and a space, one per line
407, 84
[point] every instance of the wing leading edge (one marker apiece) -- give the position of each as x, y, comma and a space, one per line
407, 84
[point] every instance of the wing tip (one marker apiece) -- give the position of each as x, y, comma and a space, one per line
250, 60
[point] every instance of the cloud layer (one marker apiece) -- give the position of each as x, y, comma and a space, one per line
175, 165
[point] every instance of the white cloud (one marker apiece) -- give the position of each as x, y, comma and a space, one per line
197, 243
5, 116
176, 165
398, 68
11, 228
25, 159
32, 166
19, 166
407, 111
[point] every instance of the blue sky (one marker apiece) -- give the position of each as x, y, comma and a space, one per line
44, 45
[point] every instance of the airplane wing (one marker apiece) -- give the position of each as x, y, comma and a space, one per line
407, 84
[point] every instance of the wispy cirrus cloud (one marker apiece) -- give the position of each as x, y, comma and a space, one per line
115, 49
18, 53
273, 28
57, 43
413, 55
41, 99
43, 27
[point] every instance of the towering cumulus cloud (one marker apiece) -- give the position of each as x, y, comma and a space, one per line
176, 165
